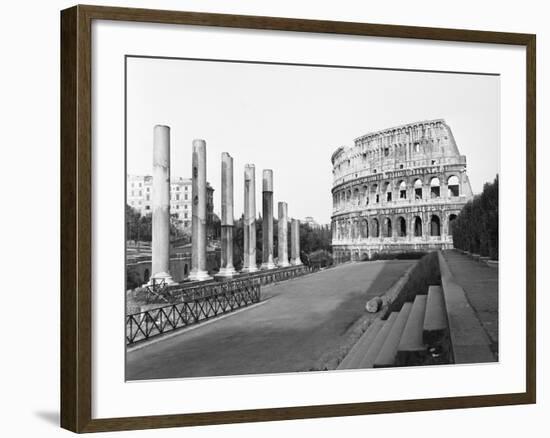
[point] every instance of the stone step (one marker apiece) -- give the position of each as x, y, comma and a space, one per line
367, 361
387, 355
435, 321
411, 349
353, 358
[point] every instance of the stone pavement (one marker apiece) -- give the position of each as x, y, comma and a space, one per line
480, 284
300, 321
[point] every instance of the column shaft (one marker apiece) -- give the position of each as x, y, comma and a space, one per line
160, 263
198, 192
249, 246
226, 268
295, 243
282, 230
267, 219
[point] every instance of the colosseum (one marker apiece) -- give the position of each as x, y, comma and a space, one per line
397, 190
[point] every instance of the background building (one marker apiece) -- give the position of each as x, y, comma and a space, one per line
139, 192
397, 190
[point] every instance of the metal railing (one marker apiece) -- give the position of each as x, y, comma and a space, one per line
195, 306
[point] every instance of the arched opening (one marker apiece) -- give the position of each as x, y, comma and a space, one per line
402, 226
356, 196
452, 218
387, 191
453, 186
417, 226
366, 195
435, 188
185, 269
146, 276
374, 190
387, 227
375, 228
435, 226
402, 190
364, 229
418, 189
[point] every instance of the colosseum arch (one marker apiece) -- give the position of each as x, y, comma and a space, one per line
364, 229
374, 191
401, 226
375, 228
453, 185
418, 189
387, 191
417, 226
356, 196
387, 227
435, 225
402, 189
365, 195
435, 191
452, 218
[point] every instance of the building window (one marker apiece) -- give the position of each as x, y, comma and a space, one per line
418, 189
434, 188
388, 196
402, 190
186, 196
452, 184
177, 196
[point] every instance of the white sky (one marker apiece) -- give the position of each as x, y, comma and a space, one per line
292, 118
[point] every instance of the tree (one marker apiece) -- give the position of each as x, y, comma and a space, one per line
476, 227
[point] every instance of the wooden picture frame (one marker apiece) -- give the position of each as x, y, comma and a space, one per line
76, 217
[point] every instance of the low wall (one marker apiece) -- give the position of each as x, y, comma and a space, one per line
469, 342
139, 272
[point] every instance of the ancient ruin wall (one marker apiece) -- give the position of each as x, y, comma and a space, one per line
397, 190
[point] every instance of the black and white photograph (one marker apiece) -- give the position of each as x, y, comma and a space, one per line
285, 218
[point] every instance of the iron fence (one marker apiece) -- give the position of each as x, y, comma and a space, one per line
192, 308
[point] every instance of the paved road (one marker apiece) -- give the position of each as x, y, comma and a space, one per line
480, 283
300, 320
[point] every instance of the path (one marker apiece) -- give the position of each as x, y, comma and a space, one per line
480, 283
299, 322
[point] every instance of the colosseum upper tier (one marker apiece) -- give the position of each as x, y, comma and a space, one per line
397, 190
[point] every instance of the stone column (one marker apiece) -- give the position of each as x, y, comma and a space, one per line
295, 243
160, 263
283, 233
267, 219
249, 246
227, 269
198, 206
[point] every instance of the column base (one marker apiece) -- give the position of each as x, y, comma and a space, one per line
283, 264
297, 262
228, 271
249, 269
198, 275
268, 265
159, 277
